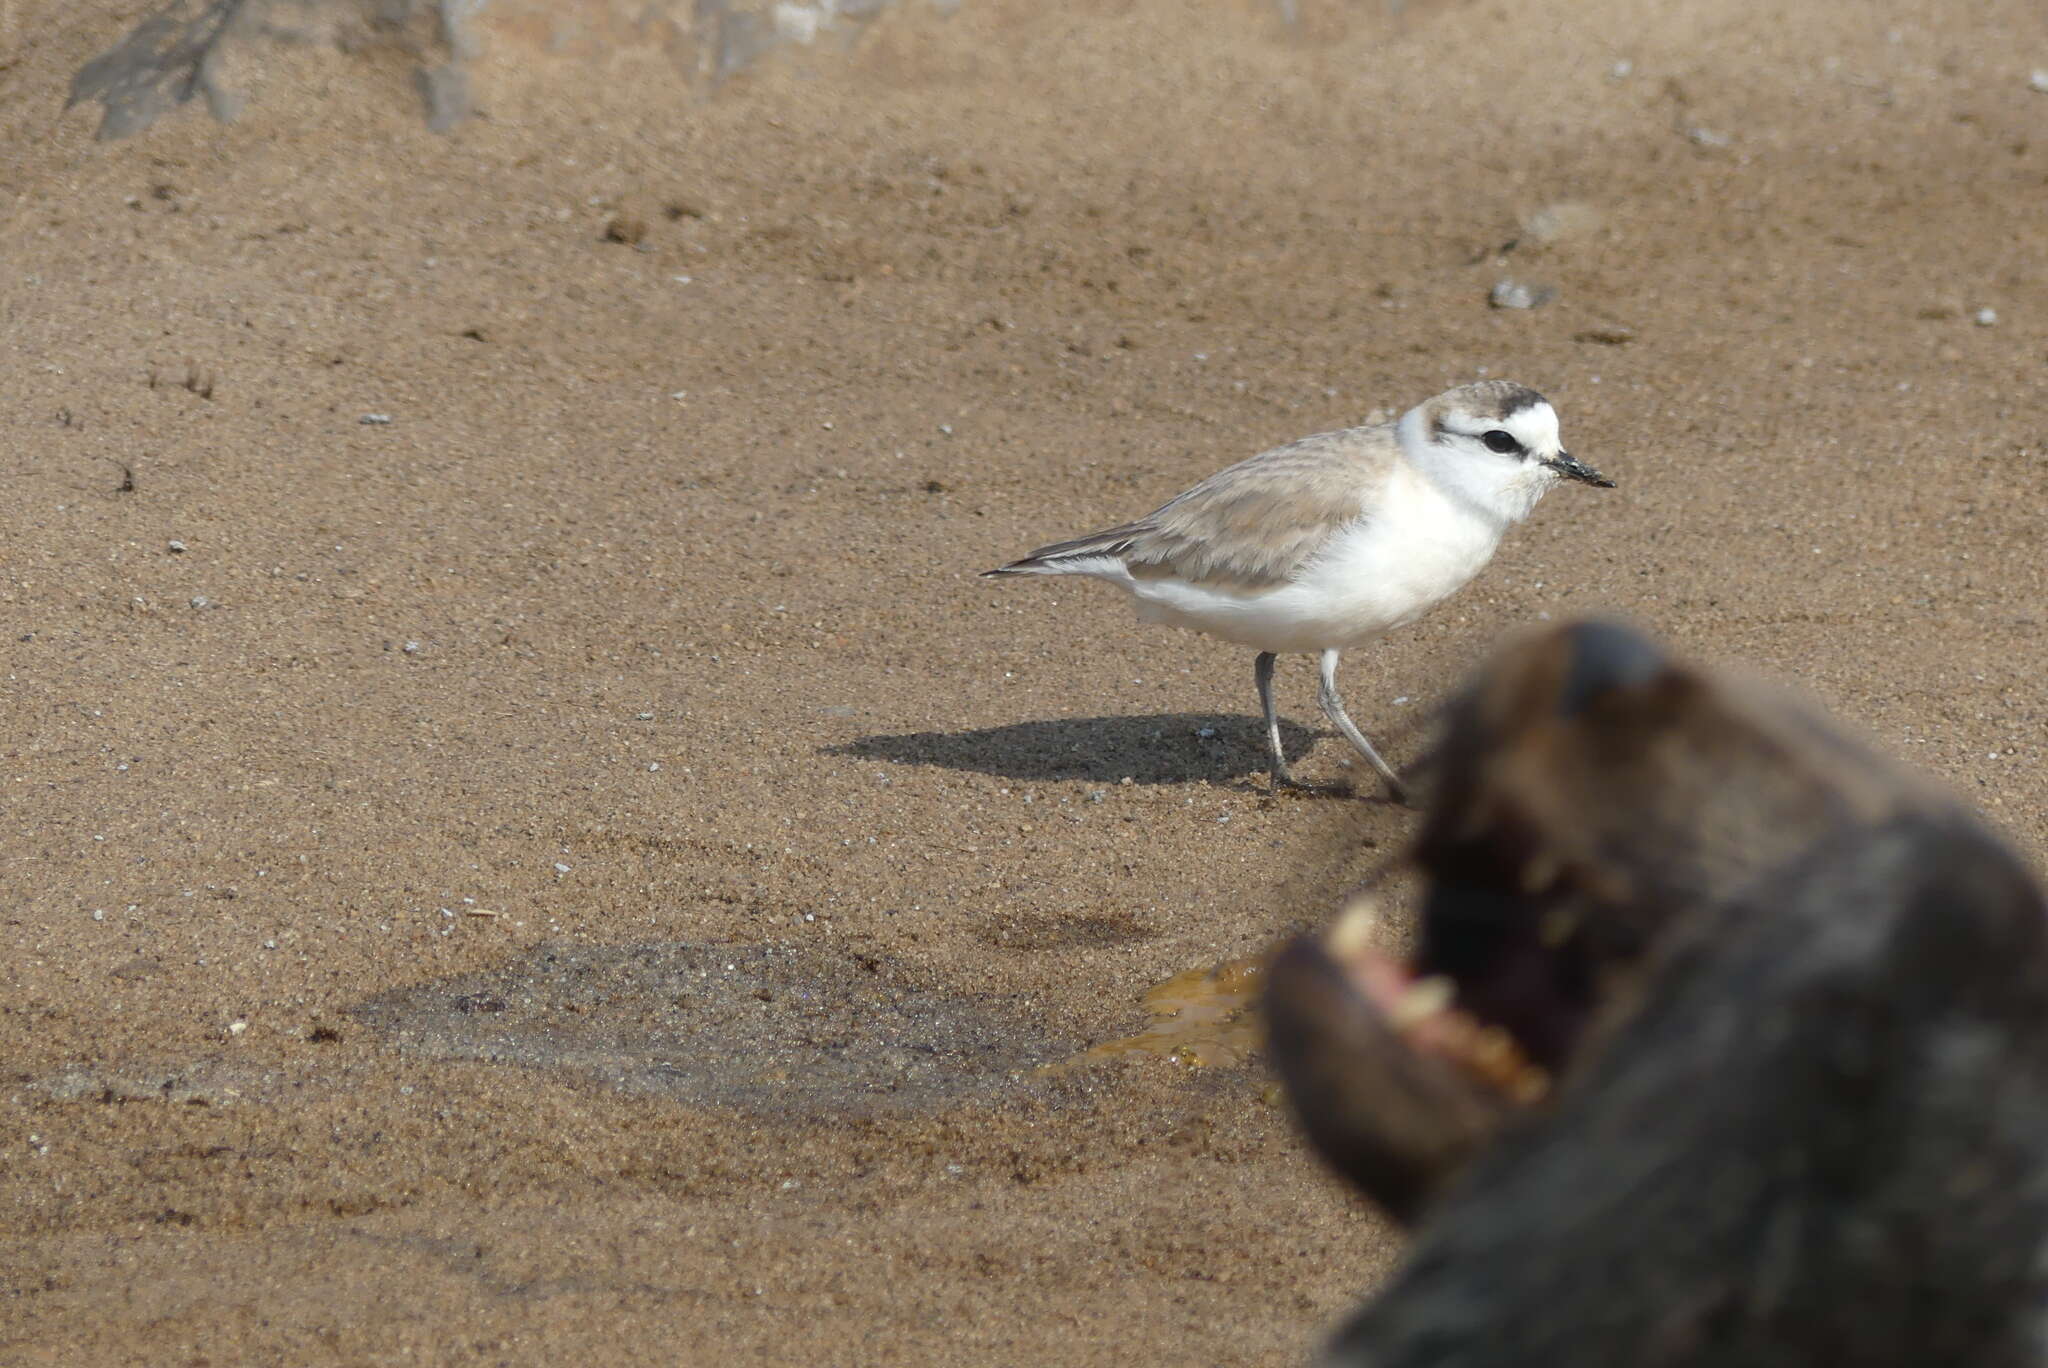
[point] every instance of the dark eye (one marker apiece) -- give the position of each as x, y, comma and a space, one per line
1497, 440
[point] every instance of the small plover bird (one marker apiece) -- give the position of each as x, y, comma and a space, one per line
1325, 543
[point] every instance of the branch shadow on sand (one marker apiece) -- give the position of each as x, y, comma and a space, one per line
1162, 748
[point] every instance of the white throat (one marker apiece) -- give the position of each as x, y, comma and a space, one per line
1501, 491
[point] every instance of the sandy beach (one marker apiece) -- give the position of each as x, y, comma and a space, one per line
526, 840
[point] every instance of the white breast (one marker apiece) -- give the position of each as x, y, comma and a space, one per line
1423, 547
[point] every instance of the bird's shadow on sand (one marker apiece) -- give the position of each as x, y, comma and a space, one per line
1163, 748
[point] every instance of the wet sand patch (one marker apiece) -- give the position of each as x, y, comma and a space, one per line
800, 1030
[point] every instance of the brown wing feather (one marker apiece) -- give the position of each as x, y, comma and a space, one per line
1248, 527
1254, 525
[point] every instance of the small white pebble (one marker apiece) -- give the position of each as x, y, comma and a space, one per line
201, 601
177, 547
680, 280
99, 914
411, 648
1985, 317
653, 765
1516, 294
1621, 70
561, 868
1206, 733
374, 419
2039, 80
237, 1027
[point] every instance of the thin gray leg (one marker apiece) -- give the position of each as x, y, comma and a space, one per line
1262, 673
1333, 708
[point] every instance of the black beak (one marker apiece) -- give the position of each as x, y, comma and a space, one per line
1572, 468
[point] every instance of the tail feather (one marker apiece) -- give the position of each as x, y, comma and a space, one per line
1060, 558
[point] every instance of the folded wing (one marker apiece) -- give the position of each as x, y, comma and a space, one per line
1248, 528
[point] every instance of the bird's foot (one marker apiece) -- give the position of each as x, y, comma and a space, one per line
1283, 778
1396, 792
